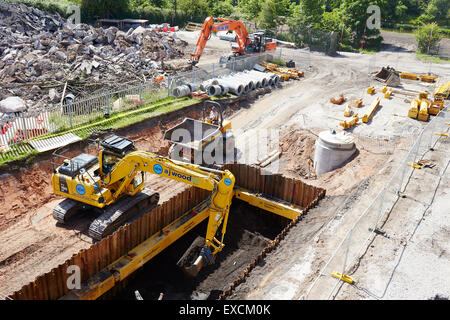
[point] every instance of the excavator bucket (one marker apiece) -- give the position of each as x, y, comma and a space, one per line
388, 76
195, 257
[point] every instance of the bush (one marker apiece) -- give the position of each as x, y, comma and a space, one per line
428, 37
157, 15
51, 6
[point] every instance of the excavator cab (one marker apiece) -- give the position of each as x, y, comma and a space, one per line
85, 183
114, 149
257, 43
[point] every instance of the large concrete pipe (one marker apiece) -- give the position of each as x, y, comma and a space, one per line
234, 87
215, 90
193, 86
205, 84
263, 77
181, 91
242, 77
260, 75
225, 89
257, 82
276, 79
248, 82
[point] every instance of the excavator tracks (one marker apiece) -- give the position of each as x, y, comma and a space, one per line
67, 209
110, 218
125, 210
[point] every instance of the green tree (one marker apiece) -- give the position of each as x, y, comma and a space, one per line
427, 38
274, 13
194, 9
332, 21
222, 8
250, 9
92, 9
356, 17
438, 9
330, 5
306, 13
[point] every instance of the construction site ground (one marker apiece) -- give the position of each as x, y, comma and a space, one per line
32, 243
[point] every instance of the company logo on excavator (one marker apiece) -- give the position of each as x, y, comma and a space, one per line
181, 176
226, 27
158, 169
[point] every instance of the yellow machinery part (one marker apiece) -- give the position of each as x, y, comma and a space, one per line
282, 75
345, 277
411, 76
387, 94
436, 106
442, 91
358, 103
284, 72
279, 207
371, 90
423, 95
414, 165
373, 107
414, 108
427, 78
117, 271
107, 278
348, 124
423, 110
348, 111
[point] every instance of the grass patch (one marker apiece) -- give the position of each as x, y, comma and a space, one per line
279, 62
368, 51
432, 59
445, 32
52, 6
116, 121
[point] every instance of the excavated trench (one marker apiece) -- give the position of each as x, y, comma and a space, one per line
249, 231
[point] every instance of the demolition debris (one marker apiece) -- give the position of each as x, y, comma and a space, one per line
40, 52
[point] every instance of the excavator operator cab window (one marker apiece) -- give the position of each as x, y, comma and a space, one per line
108, 161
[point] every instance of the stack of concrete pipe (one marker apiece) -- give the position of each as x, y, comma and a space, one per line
238, 84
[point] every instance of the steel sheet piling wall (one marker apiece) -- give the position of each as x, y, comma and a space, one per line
53, 284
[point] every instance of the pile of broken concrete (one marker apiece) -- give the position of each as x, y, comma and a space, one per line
40, 51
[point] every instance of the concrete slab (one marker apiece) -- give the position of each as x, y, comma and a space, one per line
54, 143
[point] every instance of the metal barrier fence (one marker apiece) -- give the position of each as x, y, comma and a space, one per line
347, 254
301, 57
215, 70
20, 127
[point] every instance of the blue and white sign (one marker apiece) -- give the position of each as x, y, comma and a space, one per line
158, 169
80, 189
227, 181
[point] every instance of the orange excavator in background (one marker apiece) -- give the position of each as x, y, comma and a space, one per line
246, 44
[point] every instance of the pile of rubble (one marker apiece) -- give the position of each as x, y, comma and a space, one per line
40, 52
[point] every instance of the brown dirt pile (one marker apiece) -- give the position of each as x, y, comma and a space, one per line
298, 146
23, 192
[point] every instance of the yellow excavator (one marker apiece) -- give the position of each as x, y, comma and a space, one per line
113, 185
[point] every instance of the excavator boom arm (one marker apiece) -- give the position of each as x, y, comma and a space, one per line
223, 25
221, 183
